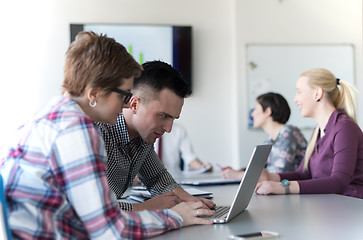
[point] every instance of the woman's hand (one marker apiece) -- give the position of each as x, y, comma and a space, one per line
191, 212
229, 173
269, 187
272, 187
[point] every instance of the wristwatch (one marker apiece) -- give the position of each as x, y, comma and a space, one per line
286, 184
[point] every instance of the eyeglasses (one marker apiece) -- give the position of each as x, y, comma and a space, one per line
127, 95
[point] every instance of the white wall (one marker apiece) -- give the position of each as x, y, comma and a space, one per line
293, 21
35, 37
38, 34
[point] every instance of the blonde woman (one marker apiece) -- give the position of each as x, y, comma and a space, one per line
334, 157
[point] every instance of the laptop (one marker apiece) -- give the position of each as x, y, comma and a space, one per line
246, 187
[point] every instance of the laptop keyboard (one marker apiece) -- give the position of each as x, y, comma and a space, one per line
220, 211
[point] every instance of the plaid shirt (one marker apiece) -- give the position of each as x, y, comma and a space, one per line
56, 187
142, 161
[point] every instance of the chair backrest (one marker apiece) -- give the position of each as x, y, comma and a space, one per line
5, 232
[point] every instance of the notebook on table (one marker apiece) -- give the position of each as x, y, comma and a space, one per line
142, 194
209, 182
246, 188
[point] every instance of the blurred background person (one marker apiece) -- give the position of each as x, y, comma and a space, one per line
176, 152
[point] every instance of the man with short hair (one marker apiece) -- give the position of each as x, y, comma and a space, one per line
158, 99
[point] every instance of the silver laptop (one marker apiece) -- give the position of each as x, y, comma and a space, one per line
246, 188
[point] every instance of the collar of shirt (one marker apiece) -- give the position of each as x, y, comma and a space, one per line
334, 117
125, 141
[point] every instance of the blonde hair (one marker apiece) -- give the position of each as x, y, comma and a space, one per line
343, 98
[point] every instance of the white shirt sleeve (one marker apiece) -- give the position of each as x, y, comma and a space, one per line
185, 147
176, 144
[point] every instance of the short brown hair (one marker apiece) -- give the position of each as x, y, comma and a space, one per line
280, 110
97, 61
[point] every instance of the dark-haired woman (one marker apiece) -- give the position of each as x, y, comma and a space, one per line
288, 143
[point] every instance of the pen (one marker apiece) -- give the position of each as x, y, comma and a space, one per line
220, 167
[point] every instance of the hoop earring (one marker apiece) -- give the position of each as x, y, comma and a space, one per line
92, 104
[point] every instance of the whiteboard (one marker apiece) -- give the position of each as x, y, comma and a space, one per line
276, 67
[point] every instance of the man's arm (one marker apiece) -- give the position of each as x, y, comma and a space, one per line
159, 181
186, 197
155, 176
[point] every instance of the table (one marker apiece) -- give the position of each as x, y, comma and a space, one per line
294, 217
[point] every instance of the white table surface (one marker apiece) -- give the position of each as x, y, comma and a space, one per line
294, 217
